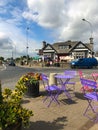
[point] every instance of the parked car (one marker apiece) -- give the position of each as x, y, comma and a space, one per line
11, 64
84, 63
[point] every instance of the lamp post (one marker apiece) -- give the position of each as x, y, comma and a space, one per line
27, 47
91, 29
90, 26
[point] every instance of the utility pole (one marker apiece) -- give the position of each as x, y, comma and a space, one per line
27, 46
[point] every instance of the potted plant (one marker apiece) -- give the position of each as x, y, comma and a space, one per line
12, 114
31, 82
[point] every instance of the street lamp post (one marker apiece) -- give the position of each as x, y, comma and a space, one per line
90, 26
27, 47
91, 29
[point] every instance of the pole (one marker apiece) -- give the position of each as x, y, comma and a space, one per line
90, 26
27, 47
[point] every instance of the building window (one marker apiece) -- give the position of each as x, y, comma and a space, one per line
63, 47
78, 55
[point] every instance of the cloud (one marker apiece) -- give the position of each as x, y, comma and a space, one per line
64, 17
13, 39
61, 19
5, 43
48, 14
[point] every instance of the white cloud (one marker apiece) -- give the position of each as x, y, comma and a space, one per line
49, 14
63, 17
12, 37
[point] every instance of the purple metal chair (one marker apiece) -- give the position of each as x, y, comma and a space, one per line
92, 98
53, 91
72, 83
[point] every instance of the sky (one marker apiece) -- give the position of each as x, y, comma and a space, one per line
29, 22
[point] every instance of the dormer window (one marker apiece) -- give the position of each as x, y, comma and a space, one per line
63, 47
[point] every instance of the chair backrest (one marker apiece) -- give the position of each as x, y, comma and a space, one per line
45, 80
84, 75
80, 73
89, 84
95, 76
70, 72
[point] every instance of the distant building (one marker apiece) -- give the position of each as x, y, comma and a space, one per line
66, 50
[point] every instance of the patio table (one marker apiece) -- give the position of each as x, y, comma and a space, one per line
63, 80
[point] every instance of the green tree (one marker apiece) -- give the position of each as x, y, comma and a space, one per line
2, 58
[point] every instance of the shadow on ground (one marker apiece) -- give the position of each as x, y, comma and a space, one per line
68, 101
79, 95
57, 124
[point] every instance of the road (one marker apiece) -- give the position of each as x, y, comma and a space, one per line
11, 75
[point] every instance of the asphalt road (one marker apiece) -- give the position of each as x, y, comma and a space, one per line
10, 75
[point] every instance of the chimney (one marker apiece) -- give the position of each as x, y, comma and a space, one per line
91, 40
44, 44
91, 43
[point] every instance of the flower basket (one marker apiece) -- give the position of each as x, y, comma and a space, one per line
30, 81
32, 89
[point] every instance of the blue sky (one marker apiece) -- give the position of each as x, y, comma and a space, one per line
49, 20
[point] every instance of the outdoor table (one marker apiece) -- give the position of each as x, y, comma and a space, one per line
63, 80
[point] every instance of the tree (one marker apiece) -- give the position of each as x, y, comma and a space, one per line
2, 58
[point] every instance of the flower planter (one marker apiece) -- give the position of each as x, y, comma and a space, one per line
32, 89
12, 114
17, 126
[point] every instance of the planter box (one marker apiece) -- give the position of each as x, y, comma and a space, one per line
33, 90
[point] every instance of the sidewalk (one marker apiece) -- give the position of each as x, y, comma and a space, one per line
2, 67
66, 116
95, 127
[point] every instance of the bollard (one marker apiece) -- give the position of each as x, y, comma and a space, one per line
52, 79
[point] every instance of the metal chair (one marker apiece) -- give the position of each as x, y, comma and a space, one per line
72, 83
82, 75
95, 76
62, 81
53, 91
92, 98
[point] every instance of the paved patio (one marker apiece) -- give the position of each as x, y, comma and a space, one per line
66, 116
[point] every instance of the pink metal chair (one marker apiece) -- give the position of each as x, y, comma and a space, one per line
53, 91
84, 87
92, 98
95, 76
80, 73
84, 75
